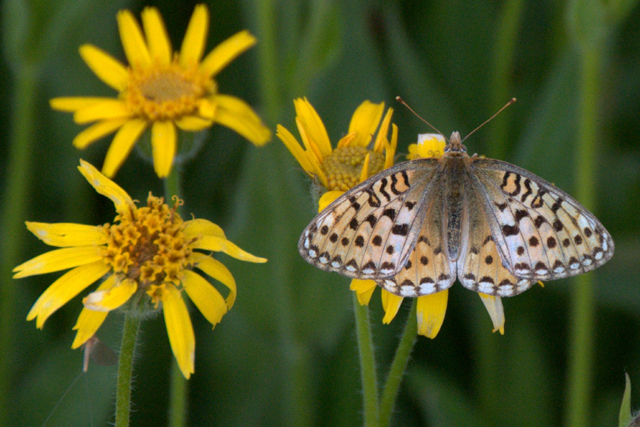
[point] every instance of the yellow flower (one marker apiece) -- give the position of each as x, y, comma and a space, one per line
161, 89
350, 162
429, 145
147, 256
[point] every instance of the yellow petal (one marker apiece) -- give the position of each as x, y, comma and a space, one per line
327, 198
391, 151
364, 122
106, 300
132, 39
195, 38
66, 234
381, 137
308, 141
66, 287
75, 103
294, 148
193, 123
207, 109
391, 304
106, 67
364, 289
226, 52
163, 143
430, 145
218, 271
205, 297
201, 227
105, 109
218, 244
496, 311
89, 321
364, 173
103, 185
122, 145
431, 310
180, 330
97, 131
315, 129
236, 114
58, 259
317, 169
157, 37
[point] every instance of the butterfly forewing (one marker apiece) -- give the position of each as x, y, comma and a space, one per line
545, 233
368, 232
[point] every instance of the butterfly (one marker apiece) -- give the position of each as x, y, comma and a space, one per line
416, 227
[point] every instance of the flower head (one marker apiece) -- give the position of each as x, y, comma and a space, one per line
161, 89
146, 258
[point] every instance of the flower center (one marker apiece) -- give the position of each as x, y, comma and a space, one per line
166, 93
149, 246
343, 166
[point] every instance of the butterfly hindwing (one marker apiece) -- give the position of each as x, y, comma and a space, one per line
368, 232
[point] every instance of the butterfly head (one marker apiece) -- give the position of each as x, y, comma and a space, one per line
455, 144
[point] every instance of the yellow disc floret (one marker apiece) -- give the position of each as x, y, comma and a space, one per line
343, 167
149, 246
166, 93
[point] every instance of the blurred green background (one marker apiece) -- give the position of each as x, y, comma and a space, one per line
286, 354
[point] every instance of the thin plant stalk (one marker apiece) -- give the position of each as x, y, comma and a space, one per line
367, 364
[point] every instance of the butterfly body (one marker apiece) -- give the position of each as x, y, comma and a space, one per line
416, 227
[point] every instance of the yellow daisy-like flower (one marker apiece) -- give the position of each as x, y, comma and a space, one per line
147, 256
161, 89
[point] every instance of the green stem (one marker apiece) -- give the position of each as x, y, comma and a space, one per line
582, 315
399, 365
125, 369
268, 59
178, 405
14, 206
367, 364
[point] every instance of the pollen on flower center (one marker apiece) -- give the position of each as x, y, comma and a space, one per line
150, 246
166, 93
343, 166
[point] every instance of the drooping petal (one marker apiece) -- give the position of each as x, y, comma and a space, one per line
205, 297
315, 129
64, 289
364, 289
294, 148
364, 122
133, 41
391, 304
219, 244
103, 110
431, 310
106, 300
74, 103
193, 123
97, 131
495, 309
218, 271
236, 114
226, 52
157, 37
180, 330
122, 145
103, 185
58, 259
199, 227
64, 234
89, 321
163, 143
327, 198
195, 38
381, 136
106, 67
390, 152
364, 173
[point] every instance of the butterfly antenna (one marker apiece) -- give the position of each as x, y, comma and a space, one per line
401, 101
511, 101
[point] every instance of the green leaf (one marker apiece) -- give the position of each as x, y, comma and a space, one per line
625, 408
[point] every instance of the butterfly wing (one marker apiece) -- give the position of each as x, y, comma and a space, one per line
540, 231
428, 269
369, 231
